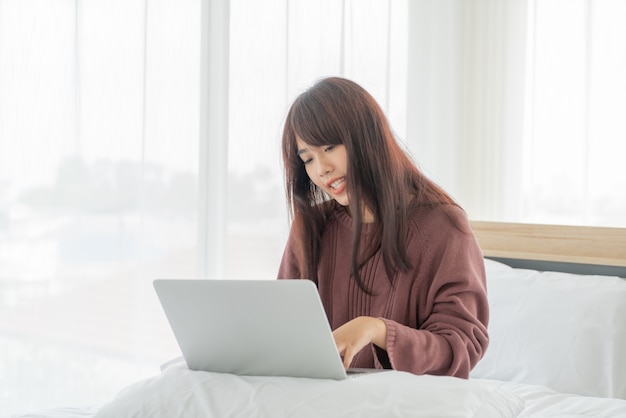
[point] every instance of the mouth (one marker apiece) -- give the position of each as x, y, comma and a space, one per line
337, 185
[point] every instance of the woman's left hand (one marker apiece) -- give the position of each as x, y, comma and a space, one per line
352, 336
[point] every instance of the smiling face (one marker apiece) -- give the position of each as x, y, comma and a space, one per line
327, 167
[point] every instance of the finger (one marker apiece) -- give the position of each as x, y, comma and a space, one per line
347, 359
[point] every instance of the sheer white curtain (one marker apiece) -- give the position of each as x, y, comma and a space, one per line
141, 139
516, 106
466, 100
576, 102
99, 114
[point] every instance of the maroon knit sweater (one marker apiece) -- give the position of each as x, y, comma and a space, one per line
436, 313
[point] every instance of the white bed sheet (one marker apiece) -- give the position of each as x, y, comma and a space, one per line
182, 393
179, 392
71, 412
542, 402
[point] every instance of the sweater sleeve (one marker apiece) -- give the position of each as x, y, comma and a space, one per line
453, 312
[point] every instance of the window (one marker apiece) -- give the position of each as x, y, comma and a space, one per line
576, 102
103, 168
516, 107
98, 192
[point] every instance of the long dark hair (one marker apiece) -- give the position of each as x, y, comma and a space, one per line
381, 175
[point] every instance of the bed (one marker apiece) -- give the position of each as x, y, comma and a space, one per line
558, 338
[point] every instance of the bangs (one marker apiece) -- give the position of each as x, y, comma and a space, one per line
314, 122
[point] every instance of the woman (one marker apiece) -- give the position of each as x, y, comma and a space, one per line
399, 272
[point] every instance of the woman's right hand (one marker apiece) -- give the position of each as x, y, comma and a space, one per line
352, 336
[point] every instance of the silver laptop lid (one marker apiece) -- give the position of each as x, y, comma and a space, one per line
251, 327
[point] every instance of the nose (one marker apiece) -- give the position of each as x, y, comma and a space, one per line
324, 165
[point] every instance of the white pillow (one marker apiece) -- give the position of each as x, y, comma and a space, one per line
561, 330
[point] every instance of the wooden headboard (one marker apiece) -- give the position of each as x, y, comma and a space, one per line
599, 246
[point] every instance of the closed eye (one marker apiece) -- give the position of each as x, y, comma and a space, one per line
329, 148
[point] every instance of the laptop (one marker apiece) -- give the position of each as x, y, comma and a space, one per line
252, 327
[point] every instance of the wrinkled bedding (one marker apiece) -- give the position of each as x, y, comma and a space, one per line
179, 392
542, 402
